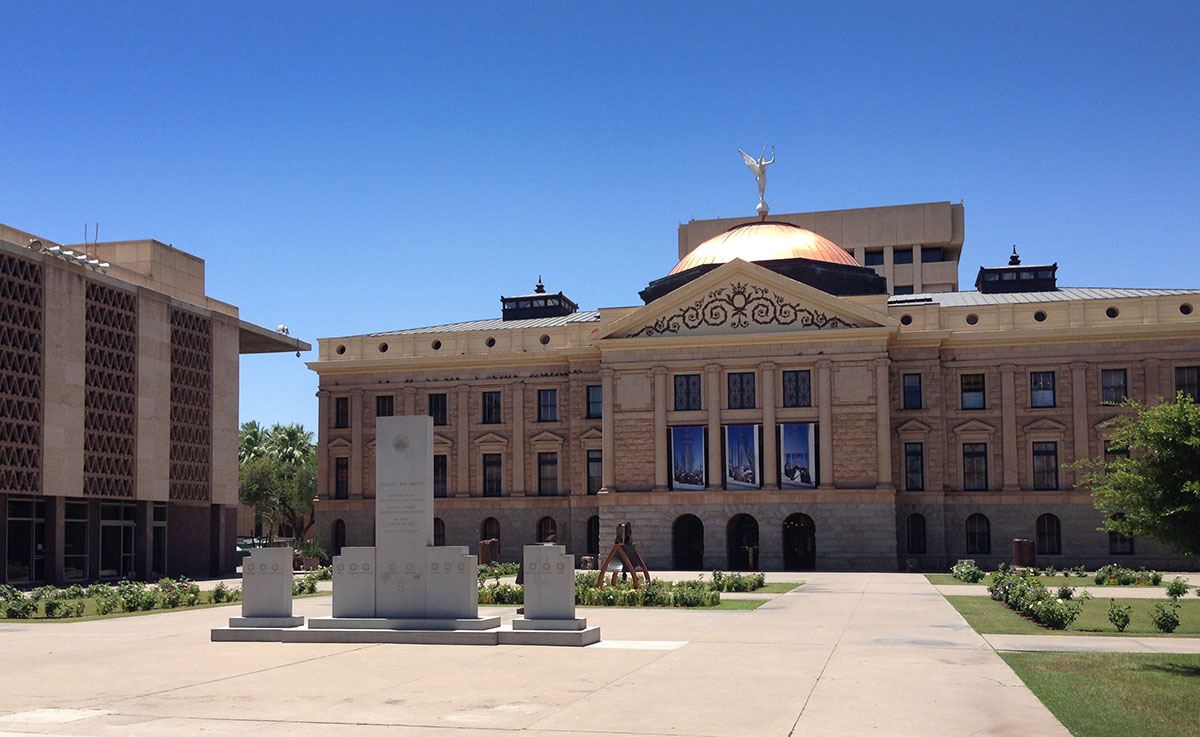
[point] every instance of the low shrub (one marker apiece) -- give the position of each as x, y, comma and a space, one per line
15, 605
1078, 572
1177, 588
496, 570
1165, 617
1065, 592
1023, 592
1119, 614
967, 571
1115, 575
306, 584
722, 581
220, 593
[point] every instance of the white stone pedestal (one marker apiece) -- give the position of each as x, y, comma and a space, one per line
549, 602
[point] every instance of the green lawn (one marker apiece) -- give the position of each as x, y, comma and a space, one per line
993, 618
948, 579
1115, 694
777, 588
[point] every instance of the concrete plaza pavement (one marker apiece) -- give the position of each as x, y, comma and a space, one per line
846, 654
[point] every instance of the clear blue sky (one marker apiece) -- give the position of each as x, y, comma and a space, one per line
356, 167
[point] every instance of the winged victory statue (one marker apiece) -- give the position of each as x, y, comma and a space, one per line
759, 167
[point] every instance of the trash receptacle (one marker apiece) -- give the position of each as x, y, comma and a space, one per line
1024, 553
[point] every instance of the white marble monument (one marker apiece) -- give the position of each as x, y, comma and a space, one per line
267, 590
549, 601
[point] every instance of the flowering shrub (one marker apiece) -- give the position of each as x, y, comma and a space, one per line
1119, 614
1024, 593
1165, 617
967, 571
1177, 588
14, 604
657, 593
1115, 575
722, 581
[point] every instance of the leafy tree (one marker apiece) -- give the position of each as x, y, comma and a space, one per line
1155, 491
278, 475
260, 483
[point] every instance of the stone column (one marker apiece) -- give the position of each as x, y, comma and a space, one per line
1008, 433
1150, 367
409, 403
766, 374
660, 427
518, 441
1079, 405
883, 425
463, 481
825, 420
323, 423
356, 444
712, 377
608, 461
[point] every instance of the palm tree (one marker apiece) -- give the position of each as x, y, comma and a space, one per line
291, 444
252, 442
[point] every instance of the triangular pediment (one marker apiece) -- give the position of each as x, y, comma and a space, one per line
974, 426
1045, 424
591, 433
338, 443
491, 438
546, 437
740, 297
442, 442
914, 427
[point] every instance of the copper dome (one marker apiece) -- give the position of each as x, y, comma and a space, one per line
768, 241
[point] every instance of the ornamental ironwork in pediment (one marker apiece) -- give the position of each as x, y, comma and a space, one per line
740, 306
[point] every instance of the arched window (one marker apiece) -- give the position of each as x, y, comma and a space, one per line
1049, 535
799, 543
490, 529
339, 536
687, 543
439, 531
916, 534
741, 536
593, 535
1118, 544
547, 531
979, 534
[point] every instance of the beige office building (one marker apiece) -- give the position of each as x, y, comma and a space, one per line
809, 392
119, 421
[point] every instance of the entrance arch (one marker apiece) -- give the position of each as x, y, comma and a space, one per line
741, 535
799, 543
687, 543
339, 536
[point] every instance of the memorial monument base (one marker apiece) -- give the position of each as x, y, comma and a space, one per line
555, 637
294, 621
330, 631
579, 623
380, 623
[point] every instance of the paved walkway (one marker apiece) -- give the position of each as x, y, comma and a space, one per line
846, 654
1093, 644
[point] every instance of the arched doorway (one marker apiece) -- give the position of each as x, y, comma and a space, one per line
687, 543
490, 529
339, 536
547, 530
593, 535
439, 531
799, 543
741, 535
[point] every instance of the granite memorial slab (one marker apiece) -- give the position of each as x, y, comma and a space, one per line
267, 590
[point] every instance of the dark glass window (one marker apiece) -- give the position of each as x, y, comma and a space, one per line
1045, 465
1119, 544
158, 540
1041, 389
595, 402
341, 412
932, 255
26, 540
593, 535
492, 474
595, 471
118, 530
873, 258
1187, 380
912, 391
797, 388
979, 534
741, 390
491, 408
384, 405
972, 391
902, 289
975, 476
1112, 454
547, 405
687, 392
341, 478
439, 475
914, 466
916, 534
1113, 386
439, 531
547, 474
437, 408
902, 256
1049, 535
75, 539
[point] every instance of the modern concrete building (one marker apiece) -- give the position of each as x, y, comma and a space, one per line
777, 402
118, 412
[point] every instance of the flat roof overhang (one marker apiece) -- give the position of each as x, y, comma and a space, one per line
257, 339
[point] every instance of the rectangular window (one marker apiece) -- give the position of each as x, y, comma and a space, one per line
384, 405
492, 474
439, 476
547, 405
975, 476
972, 391
341, 478
118, 530
341, 412
932, 255
595, 471
547, 474
873, 258
437, 408
26, 540
595, 402
491, 408
158, 540
902, 256
75, 539
902, 289
741, 390
914, 466
1114, 454
797, 388
1187, 380
1113, 386
912, 391
1041, 389
687, 392
1045, 465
